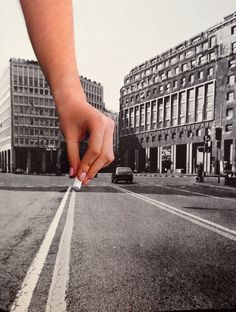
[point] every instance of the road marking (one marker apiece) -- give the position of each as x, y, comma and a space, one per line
24, 295
196, 193
57, 293
217, 228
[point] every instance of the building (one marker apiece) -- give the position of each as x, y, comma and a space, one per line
94, 92
30, 138
172, 106
115, 117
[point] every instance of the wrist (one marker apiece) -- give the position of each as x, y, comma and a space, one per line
68, 89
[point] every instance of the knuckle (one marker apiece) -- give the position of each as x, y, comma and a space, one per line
110, 158
110, 123
94, 152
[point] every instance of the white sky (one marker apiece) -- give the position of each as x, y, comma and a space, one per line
113, 36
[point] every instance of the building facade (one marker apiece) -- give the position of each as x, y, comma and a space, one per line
172, 104
115, 117
30, 138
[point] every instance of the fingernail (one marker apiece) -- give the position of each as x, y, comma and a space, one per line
82, 176
87, 182
71, 172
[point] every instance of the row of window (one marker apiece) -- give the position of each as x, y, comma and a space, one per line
192, 105
158, 79
180, 57
91, 88
175, 71
173, 135
30, 81
36, 142
26, 121
36, 132
26, 70
35, 111
36, 91
33, 101
170, 86
93, 97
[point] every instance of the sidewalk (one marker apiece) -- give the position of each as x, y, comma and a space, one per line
212, 182
209, 181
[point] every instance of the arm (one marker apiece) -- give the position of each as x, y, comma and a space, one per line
50, 28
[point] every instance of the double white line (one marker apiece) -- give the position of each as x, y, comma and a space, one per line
56, 298
214, 227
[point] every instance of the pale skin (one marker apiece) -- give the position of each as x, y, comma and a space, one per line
50, 28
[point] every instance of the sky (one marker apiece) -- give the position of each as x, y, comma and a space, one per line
113, 36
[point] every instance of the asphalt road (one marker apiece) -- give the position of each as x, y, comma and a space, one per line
161, 244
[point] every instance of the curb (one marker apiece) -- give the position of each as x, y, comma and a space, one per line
225, 188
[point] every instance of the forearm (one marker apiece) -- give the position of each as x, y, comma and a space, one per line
50, 27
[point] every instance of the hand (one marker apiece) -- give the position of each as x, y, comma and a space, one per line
77, 116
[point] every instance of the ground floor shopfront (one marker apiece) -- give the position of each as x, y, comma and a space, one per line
181, 158
31, 160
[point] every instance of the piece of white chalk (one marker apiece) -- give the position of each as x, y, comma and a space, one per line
77, 185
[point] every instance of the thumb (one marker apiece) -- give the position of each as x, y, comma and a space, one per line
73, 156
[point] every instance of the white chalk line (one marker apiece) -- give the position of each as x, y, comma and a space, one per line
57, 294
24, 295
217, 228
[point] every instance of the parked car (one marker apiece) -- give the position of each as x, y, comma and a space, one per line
122, 174
19, 171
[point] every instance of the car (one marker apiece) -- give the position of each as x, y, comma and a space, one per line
19, 171
122, 174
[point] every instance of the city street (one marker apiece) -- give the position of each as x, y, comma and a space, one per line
159, 244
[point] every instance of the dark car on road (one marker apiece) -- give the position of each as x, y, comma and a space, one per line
122, 174
19, 171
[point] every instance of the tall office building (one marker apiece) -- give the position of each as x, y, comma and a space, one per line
174, 106
30, 138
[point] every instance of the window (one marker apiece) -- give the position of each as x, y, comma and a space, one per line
228, 128
183, 81
173, 136
231, 79
234, 47
182, 107
232, 63
210, 71
174, 110
189, 53
167, 111
200, 75
205, 46
184, 67
190, 134
167, 137
212, 56
168, 87
181, 134
191, 78
212, 41
177, 70
198, 49
198, 132
193, 63
159, 137
161, 88
181, 57
229, 113
203, 59
233, 30
169, 74
190, 105
175, 84
230, 96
